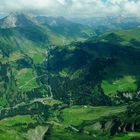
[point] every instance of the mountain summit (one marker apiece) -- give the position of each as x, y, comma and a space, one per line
15, 20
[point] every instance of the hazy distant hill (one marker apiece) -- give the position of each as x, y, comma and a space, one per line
69, 31
103, 24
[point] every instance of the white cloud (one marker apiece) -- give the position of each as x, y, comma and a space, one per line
72, 7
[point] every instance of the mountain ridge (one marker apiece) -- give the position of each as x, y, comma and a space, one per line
15, 20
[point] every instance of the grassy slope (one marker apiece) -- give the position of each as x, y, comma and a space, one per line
75, 116
126, 83
65, 31
128, 35
128, 76
26, 79
14, 128
127, 136
21, 128
125, 37
71, 116
58, 133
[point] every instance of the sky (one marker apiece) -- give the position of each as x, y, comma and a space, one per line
72, 8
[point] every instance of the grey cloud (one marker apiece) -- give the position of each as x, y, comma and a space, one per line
72, 7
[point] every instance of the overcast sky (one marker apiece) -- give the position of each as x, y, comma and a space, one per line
72, 8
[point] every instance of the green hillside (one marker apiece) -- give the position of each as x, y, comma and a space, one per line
93, 70
128, 38
62, 31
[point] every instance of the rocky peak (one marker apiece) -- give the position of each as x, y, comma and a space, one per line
15, 20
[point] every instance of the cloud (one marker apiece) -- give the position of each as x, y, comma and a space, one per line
72, 8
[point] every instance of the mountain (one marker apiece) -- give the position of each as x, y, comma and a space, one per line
64, 33
82, 90
104, 24
127, 38
67, 30
90, 65
24, 43
65, 27
16, 20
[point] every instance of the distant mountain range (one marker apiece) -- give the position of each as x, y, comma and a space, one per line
104, 24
